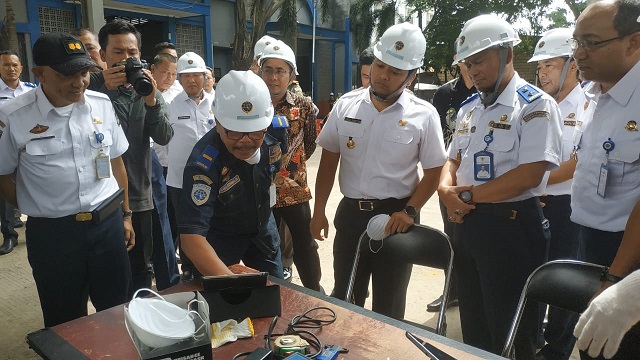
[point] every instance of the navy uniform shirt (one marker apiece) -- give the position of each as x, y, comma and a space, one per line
226, 199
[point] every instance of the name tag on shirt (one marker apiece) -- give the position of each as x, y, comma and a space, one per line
355, 121
184, 117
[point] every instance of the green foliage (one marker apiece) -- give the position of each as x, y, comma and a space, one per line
371, 17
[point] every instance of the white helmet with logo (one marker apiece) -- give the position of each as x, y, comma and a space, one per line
401, 46
258, 48
483, 32
282, 51
242, 102
554, 43
191, 62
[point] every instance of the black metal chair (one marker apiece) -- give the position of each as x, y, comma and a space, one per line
421, 245
567, 284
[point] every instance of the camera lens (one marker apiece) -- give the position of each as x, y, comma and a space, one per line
141, 84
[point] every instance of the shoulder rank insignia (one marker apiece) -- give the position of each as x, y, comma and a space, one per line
207, 157
200, 193
28, 84
280, 122
469, 99
529, 93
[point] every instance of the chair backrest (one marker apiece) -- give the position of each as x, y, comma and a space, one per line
421, 245
568, 284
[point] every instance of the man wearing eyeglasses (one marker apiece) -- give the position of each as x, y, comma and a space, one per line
224, 212
278, 70
606, 186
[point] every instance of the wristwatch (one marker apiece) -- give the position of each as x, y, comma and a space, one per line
466, 196
126, 214
411, 211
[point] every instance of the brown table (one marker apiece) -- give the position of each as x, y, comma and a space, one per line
366, 334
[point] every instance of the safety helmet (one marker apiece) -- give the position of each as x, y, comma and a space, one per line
279, 50
242, 102
191, 62
258, 48
553, 43
483, 32
401, 46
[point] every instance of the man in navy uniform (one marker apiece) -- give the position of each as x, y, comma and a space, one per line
228, 190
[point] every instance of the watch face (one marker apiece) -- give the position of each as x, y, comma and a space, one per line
411, 211
465, 196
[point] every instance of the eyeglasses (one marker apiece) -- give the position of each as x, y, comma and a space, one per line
590, 45
253, 135
279, 73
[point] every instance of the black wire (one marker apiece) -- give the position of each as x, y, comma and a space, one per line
237, 356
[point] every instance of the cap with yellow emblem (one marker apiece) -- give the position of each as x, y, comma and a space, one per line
62, 52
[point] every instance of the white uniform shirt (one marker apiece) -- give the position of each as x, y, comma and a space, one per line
530, 133
616, 116
190, 122
161, 150
211, 94
388, 144
7, 93
56, 154
572, 111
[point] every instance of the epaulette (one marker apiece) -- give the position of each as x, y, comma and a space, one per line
585, 83
529, 93
19, 102
28, 84
97, 94
280, 122
208, 156
469, 99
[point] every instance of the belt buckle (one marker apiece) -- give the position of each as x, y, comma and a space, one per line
84, 216
365, 205
514, 213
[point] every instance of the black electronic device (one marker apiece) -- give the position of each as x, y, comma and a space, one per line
221, 282
431, 351
133, 68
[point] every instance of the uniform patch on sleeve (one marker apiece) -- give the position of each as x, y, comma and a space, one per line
280, 122
207, 157
529, 93
536, 114
275, 154
199, 177
229, 184
200, 193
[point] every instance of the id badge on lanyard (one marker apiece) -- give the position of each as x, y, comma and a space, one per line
608, 146
103, 168
483, 161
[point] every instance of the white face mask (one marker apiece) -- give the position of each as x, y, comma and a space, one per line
255, 158
376, 225
159, 323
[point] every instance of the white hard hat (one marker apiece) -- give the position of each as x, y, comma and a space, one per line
191, 62
401, 46
553, 43
242, 102
282, 51
483, 32
258, 48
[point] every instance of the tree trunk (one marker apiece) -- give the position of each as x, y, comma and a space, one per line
9, 28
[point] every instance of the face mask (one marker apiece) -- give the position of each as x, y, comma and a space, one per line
159, 323
255, 158
376, 225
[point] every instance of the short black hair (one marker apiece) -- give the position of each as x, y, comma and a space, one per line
117, 27
9, 52
366, 56
160, 58
625, 21
81, 31
163, 45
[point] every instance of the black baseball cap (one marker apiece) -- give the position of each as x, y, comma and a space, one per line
62, 52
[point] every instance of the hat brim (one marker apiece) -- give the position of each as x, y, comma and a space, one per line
192, 70
74, 65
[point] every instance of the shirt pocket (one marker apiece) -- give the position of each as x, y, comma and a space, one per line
399, 136
624, 163
104, 143
44, 147
349, 132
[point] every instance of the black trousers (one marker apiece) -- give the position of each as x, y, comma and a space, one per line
390, 278
563, 245
305, 248
72, 261
495, 252
7, 220
140, 255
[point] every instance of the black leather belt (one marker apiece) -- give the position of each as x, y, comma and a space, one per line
506, 209
373, 204
103, 210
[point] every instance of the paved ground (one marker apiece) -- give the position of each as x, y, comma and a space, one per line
20, 311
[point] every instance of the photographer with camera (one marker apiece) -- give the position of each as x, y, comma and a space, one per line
142, 113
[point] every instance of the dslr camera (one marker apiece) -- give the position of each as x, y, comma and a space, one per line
133, 68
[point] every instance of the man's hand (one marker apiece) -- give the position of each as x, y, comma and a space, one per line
318, 224
114, 77
150, 99
400, 222
129, 234
456, 208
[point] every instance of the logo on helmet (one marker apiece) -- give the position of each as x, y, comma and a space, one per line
399, 45
276, 48
190, 62
541, 45
247, 106
462, 39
